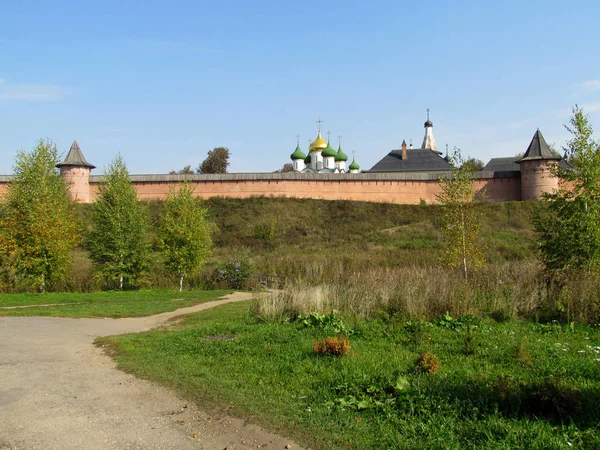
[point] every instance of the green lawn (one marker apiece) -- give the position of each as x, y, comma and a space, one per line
500, 384
104, 304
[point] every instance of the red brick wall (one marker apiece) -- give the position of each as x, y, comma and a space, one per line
387, 191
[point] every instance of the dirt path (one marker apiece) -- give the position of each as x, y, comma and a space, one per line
58, 391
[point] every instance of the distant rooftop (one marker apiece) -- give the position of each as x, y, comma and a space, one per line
417, 160
503, 165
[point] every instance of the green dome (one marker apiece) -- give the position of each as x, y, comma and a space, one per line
298, 154
354, 166
329, 151
340, 155
307, 160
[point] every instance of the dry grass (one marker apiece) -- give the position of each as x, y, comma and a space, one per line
509, 289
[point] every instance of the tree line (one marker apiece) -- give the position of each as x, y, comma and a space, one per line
39, 227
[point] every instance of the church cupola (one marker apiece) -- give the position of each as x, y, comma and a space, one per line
315, 150
298, 157
354, 167
429, 140
340, 157
329, 154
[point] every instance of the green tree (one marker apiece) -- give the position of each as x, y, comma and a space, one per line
472, 165
459, 218
569, 228
39, 226
187, 170
118, 239
217, 161
183, 233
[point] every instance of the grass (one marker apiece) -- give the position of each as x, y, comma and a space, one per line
501, 384
104, 304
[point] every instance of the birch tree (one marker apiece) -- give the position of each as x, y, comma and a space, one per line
38, 226
183, 233
459, 219
118, 240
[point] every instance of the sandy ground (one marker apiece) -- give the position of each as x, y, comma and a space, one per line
58, 391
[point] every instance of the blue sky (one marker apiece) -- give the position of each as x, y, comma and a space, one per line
164, 82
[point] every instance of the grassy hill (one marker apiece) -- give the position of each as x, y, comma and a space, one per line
323, 240
366, 233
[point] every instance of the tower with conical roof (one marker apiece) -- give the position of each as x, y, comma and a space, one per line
536, 169
429, 140
76, 171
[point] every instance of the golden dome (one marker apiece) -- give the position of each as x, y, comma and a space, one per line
319, 144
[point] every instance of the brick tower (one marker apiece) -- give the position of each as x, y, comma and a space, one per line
76, 170
536, 169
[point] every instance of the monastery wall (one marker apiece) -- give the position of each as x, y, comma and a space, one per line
400, 188
386, 188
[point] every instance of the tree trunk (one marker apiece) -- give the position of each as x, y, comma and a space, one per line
181, 283
121, 274
464, 243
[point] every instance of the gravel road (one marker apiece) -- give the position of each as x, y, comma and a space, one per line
58, 391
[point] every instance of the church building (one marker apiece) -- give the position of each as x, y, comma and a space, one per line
322, 157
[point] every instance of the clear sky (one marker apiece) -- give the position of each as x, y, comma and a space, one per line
164, 82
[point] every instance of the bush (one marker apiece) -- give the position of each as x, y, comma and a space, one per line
234, 274
265, 230
427, 363
332, 346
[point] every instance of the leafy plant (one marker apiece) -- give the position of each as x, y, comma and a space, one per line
461, 323
331, 322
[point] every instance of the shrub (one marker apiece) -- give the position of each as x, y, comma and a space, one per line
332, 346
427, 363
265, 230
233, 273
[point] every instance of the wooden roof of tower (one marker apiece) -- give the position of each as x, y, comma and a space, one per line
75, 158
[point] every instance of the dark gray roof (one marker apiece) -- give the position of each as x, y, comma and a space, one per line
75, 158
511, 164
417, 160
538, 149
503, 165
